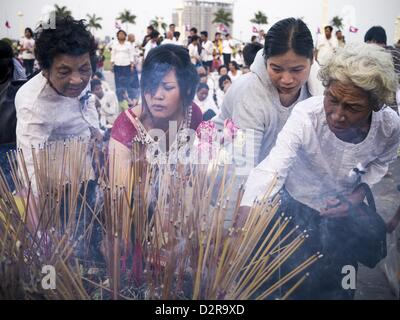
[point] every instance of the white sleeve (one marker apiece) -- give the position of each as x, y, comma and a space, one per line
377, 169
90, 114
278, 162
33, 129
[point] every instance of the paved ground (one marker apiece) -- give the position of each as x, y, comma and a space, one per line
371, 283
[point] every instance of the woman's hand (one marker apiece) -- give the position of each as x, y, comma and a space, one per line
340, 206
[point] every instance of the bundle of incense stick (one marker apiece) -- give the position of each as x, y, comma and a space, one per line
164, 231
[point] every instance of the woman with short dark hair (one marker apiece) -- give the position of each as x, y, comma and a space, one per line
56, 104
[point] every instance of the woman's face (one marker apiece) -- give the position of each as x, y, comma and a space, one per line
223, 71
347, 107
69, 75
288, 72
166, 103
231, 67
202, 94
28, 34
121, 36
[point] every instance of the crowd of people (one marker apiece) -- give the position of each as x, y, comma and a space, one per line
320, 117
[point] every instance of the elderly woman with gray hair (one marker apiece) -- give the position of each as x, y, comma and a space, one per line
328, 154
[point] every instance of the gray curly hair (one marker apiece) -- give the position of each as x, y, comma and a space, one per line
366, 66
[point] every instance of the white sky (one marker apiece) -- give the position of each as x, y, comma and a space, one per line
362, 13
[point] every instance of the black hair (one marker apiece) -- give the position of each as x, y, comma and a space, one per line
289, 34
150, 27
204, 33
193, 30
118, 32
194, 38
221, 81
250, 51
99, 75
6, 61
177, 34
154, 34
30, 31
164, 59
217, 33
70, 37
203, 86
172, 24
94, 82
222, 66
376, 34
253, 38
235, 64
329, 27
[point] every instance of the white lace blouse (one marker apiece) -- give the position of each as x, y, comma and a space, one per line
314, 164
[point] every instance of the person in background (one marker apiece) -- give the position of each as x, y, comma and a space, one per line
122, 61
109, 107
207, 51
147, 37
234, 71
27, 49
250, 51
152, 43
195, 50
224, 83
340, 38
254, 39
238, 58
326, 45
169, 38
218, 46
192, 33
177, 35
205, 102
227, 49
377, 35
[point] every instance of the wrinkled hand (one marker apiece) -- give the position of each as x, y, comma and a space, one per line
335, 208
340, 206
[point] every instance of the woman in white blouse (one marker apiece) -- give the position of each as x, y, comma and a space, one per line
325, 144
122, 61
27, 48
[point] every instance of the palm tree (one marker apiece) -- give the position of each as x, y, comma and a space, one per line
158, 23
337, 22
62, 11
127, 18
259, 18
93, 22
224, 17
